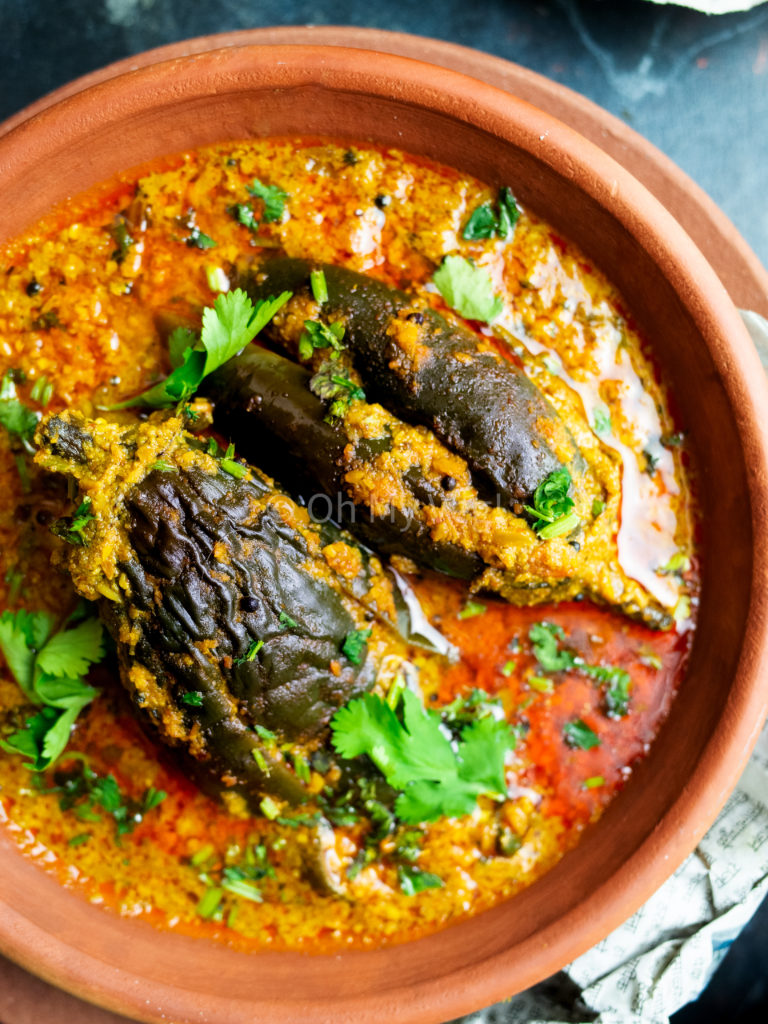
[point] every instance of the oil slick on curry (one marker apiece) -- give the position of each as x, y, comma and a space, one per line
360, 481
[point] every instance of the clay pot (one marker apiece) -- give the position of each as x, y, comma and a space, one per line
698, 340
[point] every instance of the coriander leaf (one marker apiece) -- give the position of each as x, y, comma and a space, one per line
413, 880
467, 289
578, 734
57, 736
22, 634
64, 693
354, 644
228, 327
482, 223
233, 322
29, 740
482, 752
181, 339
70, 528
418, 758
244, 214
316, 334
197, 239
489, 221
509, 213
71, 652
333, 383
14, 415
618, 683
472, 609
544, 636
552, 505
286, 622
192, 699
273, 197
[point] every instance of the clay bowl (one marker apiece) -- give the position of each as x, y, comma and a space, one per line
706, 355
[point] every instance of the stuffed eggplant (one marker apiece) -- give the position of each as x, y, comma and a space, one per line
240, 626
399, 487
428, 371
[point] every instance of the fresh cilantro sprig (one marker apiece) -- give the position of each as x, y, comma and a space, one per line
49, 667
416, 757
228, 326
333, 384
552, 508
493, 220
468, 289
578, 734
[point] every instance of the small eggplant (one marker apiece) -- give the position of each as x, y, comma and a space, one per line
406, 493
430, 371
241, 627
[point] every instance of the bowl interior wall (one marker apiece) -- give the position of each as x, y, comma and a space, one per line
81, 159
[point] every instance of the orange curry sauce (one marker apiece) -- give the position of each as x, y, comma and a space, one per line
100, 343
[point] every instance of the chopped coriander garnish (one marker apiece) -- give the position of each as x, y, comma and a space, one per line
253, 649
471, 609
594, 782
598, 507
236, 883
71, 529
79, 839
192, 698
269, 808
235, 469
210, 902
203, 855
436, 777
244, 214
602, 420
42, 390
541, 684
162, 466
413, 880
197, 239
678, 564
544, 637
578, 734
300, 766
354, 644
268, 737
552, 506
468, 289
489, 221
286, 622
273, 197
509, 667
333, 383
320, 335
122, 238
228, 327
14, 415
319, 286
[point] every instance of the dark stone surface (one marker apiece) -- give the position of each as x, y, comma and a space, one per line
696, 86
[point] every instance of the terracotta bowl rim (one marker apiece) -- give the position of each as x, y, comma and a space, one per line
709, 306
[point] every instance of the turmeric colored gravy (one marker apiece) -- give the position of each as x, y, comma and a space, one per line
81, 307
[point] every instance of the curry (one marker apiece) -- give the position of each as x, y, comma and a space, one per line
398, 594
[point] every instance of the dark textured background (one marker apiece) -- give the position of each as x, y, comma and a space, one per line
696, 86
